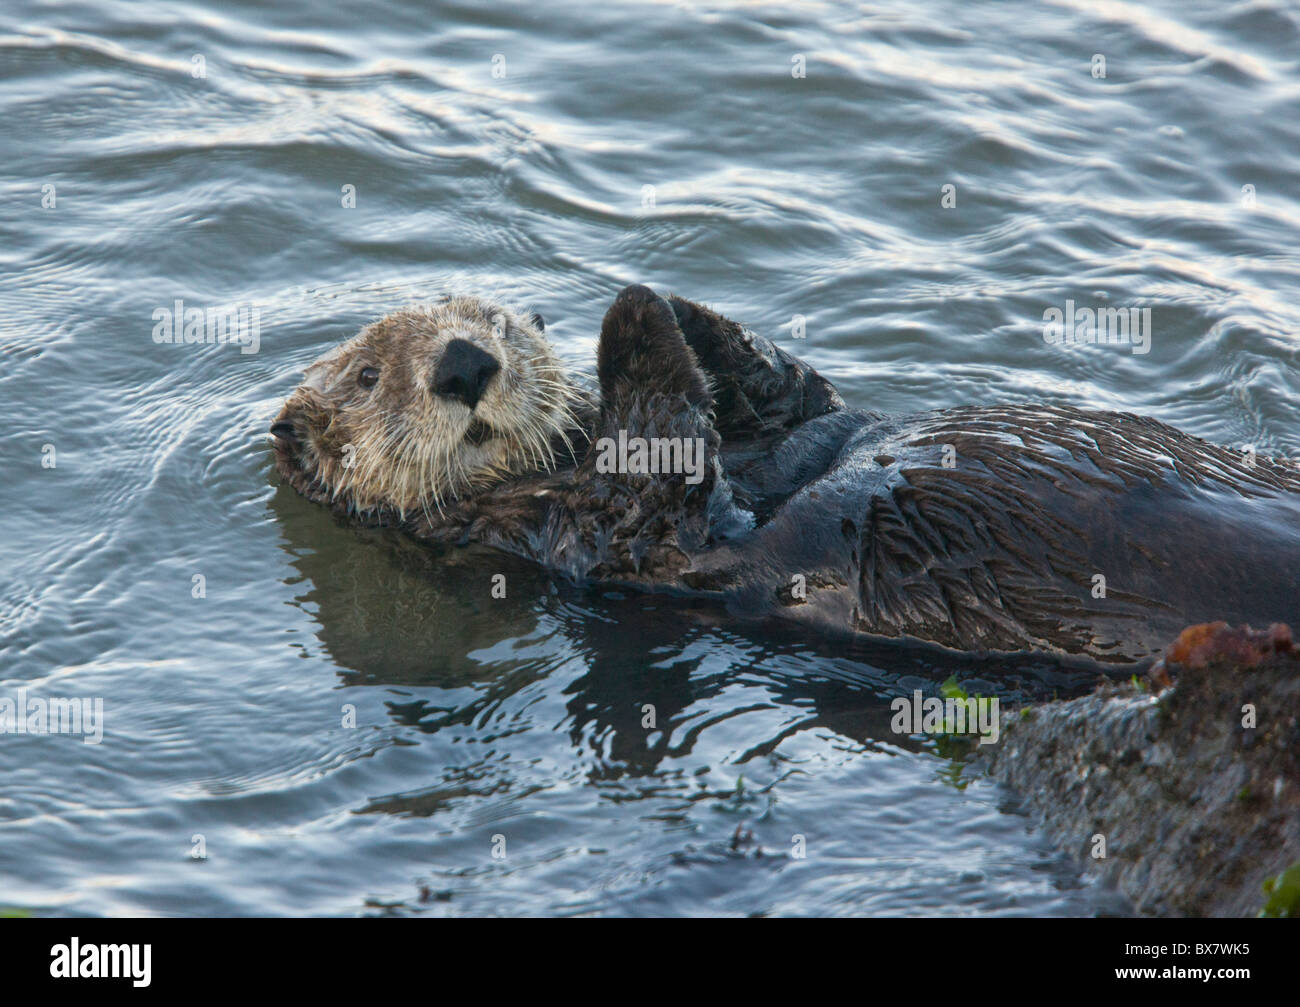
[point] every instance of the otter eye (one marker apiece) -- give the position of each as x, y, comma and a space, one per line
368, 377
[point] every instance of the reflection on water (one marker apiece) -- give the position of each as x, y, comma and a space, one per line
631, 695
354, 724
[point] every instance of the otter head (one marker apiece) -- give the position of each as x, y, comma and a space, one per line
425, 406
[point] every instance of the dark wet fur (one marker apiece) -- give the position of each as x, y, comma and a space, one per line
997, 553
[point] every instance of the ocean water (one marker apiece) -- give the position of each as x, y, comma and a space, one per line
299, 718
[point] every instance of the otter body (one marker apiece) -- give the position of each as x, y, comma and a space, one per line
985, 529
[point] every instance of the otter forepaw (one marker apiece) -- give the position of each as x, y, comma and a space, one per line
642, 350
758, 387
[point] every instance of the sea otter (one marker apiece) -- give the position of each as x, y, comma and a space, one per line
993, 529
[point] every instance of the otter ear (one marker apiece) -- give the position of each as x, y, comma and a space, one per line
538, 321
642, 351
321, 371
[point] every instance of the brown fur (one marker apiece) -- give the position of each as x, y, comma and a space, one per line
398, 446
999, 551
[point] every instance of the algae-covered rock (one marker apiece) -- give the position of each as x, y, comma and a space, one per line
1185, 796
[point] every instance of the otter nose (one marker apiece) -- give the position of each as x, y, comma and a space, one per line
464, 371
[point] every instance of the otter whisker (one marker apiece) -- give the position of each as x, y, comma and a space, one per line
406, 453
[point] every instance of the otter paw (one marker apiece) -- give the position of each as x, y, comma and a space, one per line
636, 304
642, 350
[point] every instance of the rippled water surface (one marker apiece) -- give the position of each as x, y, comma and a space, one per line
508, 150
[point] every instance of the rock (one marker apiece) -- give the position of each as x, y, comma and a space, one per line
1191, 794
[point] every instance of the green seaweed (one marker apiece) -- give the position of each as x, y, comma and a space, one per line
951, 773
1283, 893
951, 690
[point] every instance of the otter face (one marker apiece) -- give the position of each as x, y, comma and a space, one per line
424, 406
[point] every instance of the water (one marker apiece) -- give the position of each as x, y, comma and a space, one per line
773, 196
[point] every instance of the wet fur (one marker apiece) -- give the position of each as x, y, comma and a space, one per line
998, 553
399, 448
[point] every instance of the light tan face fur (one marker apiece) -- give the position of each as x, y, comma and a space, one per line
402, 444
